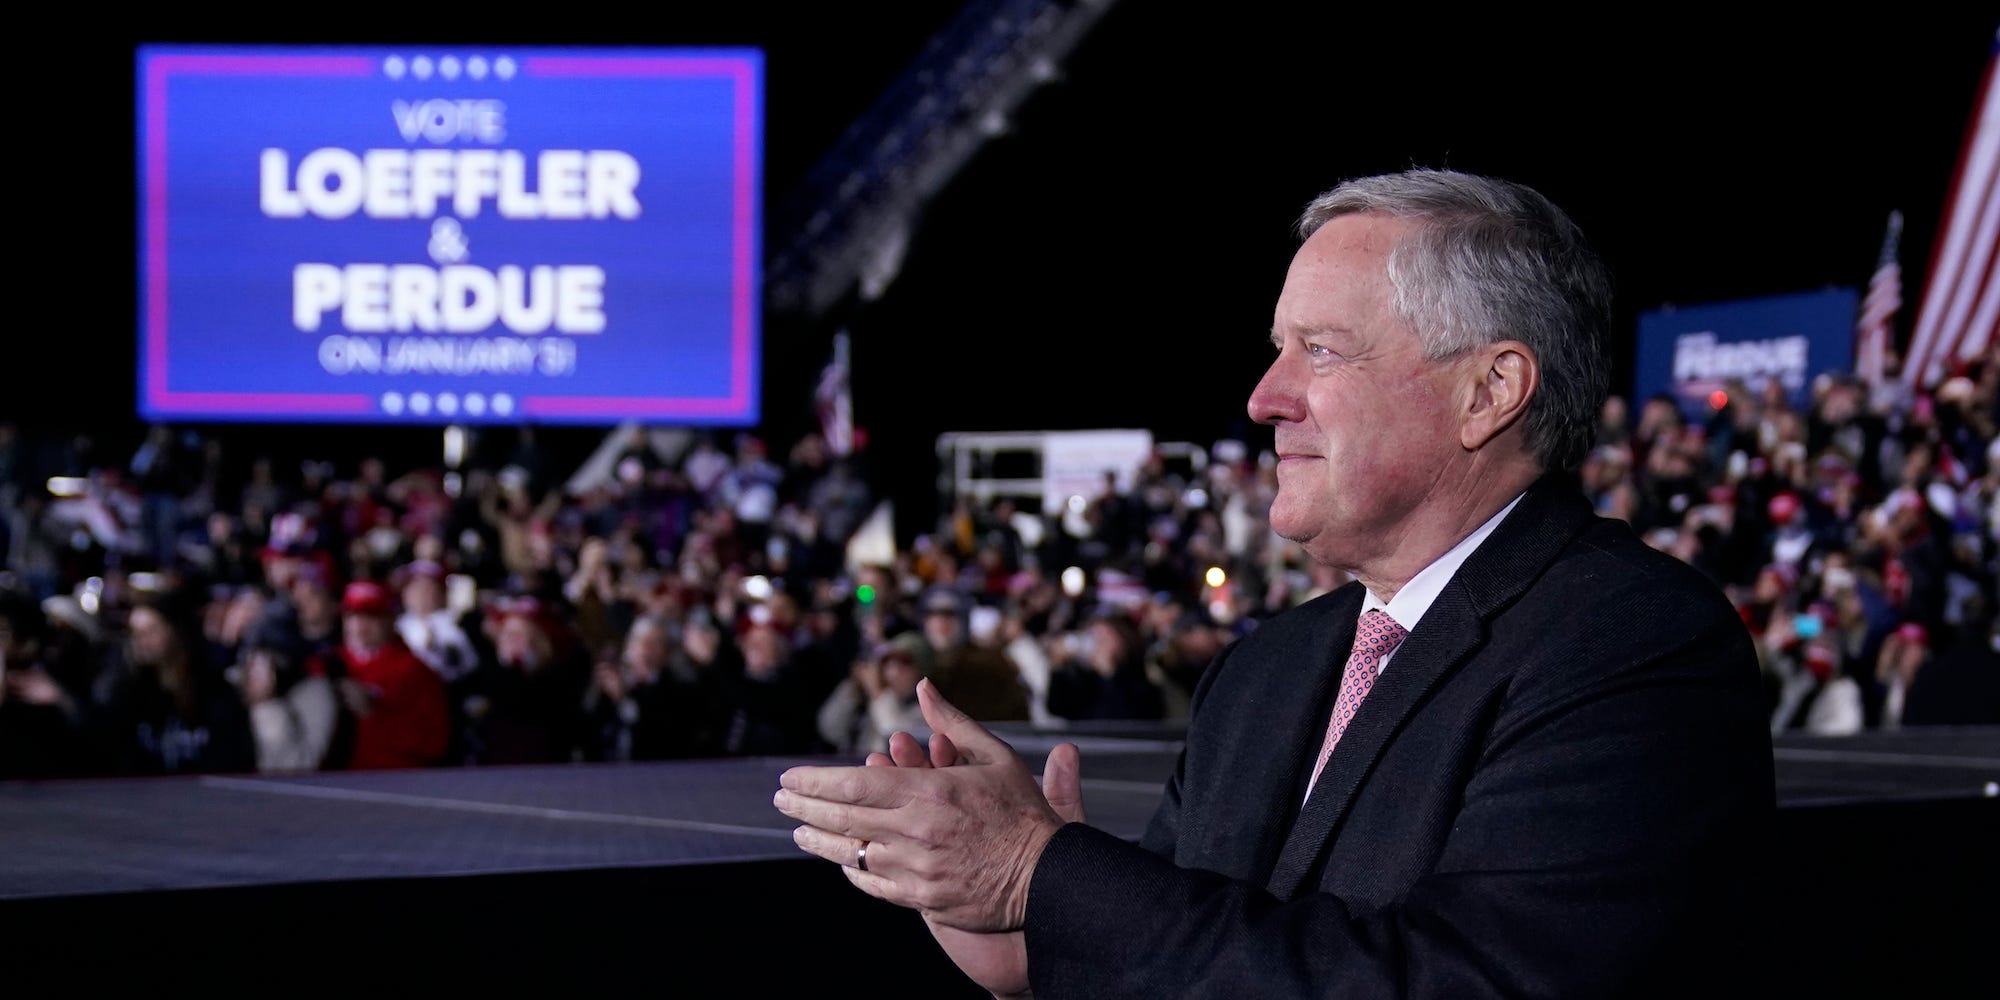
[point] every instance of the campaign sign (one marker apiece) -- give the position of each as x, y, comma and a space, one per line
1694, 351
433, 235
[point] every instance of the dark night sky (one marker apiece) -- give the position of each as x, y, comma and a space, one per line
1112, 260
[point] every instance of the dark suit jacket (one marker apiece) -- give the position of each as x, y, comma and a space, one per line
1559, 786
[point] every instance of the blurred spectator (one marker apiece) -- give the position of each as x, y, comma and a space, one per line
1021, 644
750, 491
1613, 424
878, 698
1116, 522
419, 503
72, 646
1186, 643
36, 538
705, 464
643, 704
303, 618
230, 618
161, 707
40, 720
292, 714
1606, 480
158, 470
1791, 536
706, 655
521, 523
393, 705
1814, 695
262, 496
979, 679
1960, 687
765, 705
840, 501
219, 552
826, 639
524, 699
291, 553
1105, 676
594, 590
430, 628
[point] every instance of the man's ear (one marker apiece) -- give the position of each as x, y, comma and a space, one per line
1503, 377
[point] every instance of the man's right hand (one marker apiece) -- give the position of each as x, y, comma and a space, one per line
998, 962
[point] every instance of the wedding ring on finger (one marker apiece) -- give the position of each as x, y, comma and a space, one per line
861, 857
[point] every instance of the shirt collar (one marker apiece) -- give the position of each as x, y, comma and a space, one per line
1410, 603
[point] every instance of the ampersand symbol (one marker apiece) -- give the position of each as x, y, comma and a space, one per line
448, 243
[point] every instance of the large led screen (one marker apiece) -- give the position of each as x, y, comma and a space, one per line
449, 235
1695, 351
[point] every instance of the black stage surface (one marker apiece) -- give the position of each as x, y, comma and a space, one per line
673, 874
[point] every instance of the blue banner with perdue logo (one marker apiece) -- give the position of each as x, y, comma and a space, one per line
1695, 351
438, 235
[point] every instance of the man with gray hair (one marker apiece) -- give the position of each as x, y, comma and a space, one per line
1522, 754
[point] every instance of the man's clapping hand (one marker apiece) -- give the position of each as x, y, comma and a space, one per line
954, 833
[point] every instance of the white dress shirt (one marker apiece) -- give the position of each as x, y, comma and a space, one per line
1410, 603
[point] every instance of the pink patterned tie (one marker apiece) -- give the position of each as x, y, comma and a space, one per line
1374, 638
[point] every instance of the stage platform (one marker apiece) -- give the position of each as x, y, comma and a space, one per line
490, 875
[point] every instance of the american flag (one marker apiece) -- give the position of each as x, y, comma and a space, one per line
835, 401
1873, 331
1961, 305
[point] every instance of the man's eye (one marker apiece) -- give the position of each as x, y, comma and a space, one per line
1319, 350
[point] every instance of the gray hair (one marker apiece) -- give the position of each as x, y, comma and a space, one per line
1493, 260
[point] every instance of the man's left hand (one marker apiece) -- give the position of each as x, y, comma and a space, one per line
957, 843
997, 961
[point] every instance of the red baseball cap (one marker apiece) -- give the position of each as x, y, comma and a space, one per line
365, 597
1783, 508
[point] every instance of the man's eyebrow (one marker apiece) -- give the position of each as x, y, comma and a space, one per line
1278, 335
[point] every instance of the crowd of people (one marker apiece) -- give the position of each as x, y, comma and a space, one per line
1855, 534
178, 611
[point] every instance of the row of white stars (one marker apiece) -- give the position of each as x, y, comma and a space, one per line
447, 403
448, 67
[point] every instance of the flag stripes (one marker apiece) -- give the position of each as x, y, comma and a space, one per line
1961, 303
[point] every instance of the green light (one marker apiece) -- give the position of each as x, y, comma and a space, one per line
865, 594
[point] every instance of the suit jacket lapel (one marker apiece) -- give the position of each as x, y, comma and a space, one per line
1293, 718
1451, 631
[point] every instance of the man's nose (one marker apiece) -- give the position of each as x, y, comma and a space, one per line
1278, 397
